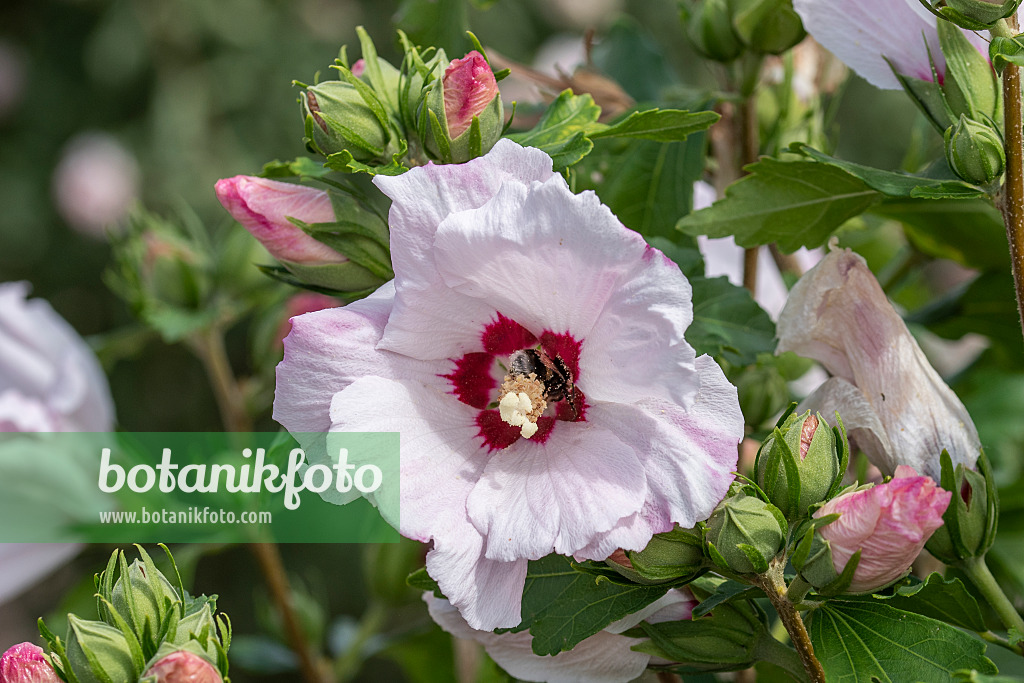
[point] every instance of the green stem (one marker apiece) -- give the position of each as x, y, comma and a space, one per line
1011, 197
349, 663
980, 576
774, 586
990, 637
208, 345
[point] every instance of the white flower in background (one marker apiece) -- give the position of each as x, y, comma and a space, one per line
605, 657
12, 78
95, 183
50, 381
894, 404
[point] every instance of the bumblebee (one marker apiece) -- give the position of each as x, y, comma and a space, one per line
553, 373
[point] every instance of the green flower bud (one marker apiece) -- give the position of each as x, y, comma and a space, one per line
816, 566
97, 653
710, 28
671, 556
969, 522
807, 446
464, 111
975, 151
744, 533
338, 118
767, 26
151, 601
762, 390
974, 15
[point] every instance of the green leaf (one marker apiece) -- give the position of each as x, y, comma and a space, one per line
947, 601
562, 605
649, 185
866, 641
660, 125
421, 580
969, 232
562, 130
303, 167
893, 184
793, 203
728, 322
1004, 51
724, 591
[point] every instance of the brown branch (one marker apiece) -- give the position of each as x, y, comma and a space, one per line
1011, 201
774, 586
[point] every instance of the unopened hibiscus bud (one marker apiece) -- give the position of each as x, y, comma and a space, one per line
181, 666
888, 524
973, 14
744, 533
26, 663
975, 151
98, 653
807, 446
767, 26
338, 119
970, 519
670, 556
144, 601
763, 391
709, 27
465, 111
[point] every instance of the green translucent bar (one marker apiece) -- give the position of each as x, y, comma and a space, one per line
199, 487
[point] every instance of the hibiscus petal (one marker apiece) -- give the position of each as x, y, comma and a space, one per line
421, 199
862, 34
689, 456
602, 658
535, 497
488, 593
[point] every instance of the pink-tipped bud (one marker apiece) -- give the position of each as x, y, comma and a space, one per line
183, 667
25, 663
469, 86
358, 67
263, 207
889, 524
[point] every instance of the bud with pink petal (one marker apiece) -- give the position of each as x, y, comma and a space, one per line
888, 524
181, 667
264, 208
26, 663
464, 110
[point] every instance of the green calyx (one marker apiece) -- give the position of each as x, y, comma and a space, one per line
975, 151
744, 533
969, 523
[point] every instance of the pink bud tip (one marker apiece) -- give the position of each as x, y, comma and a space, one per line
263, 207
358, 68
806, 434
25, 663
469, 86
183, 667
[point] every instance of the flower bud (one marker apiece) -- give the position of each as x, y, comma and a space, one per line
744, 533
181, 666
975, 151
806, 446
762, 390
767, 26
973, 14
465, 111
969, 527
339, 119
97, 653
151, 599
671, 556
26, 663
710, 29
887, 523
817, 566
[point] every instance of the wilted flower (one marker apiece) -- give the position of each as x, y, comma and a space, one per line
263, 207
507, 283
894, 405
866, 34
181, 667
25, 663
605, 657
888, 523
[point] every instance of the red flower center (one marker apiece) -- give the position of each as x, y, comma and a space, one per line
477, 376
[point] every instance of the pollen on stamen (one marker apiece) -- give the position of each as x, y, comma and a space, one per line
522, 402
